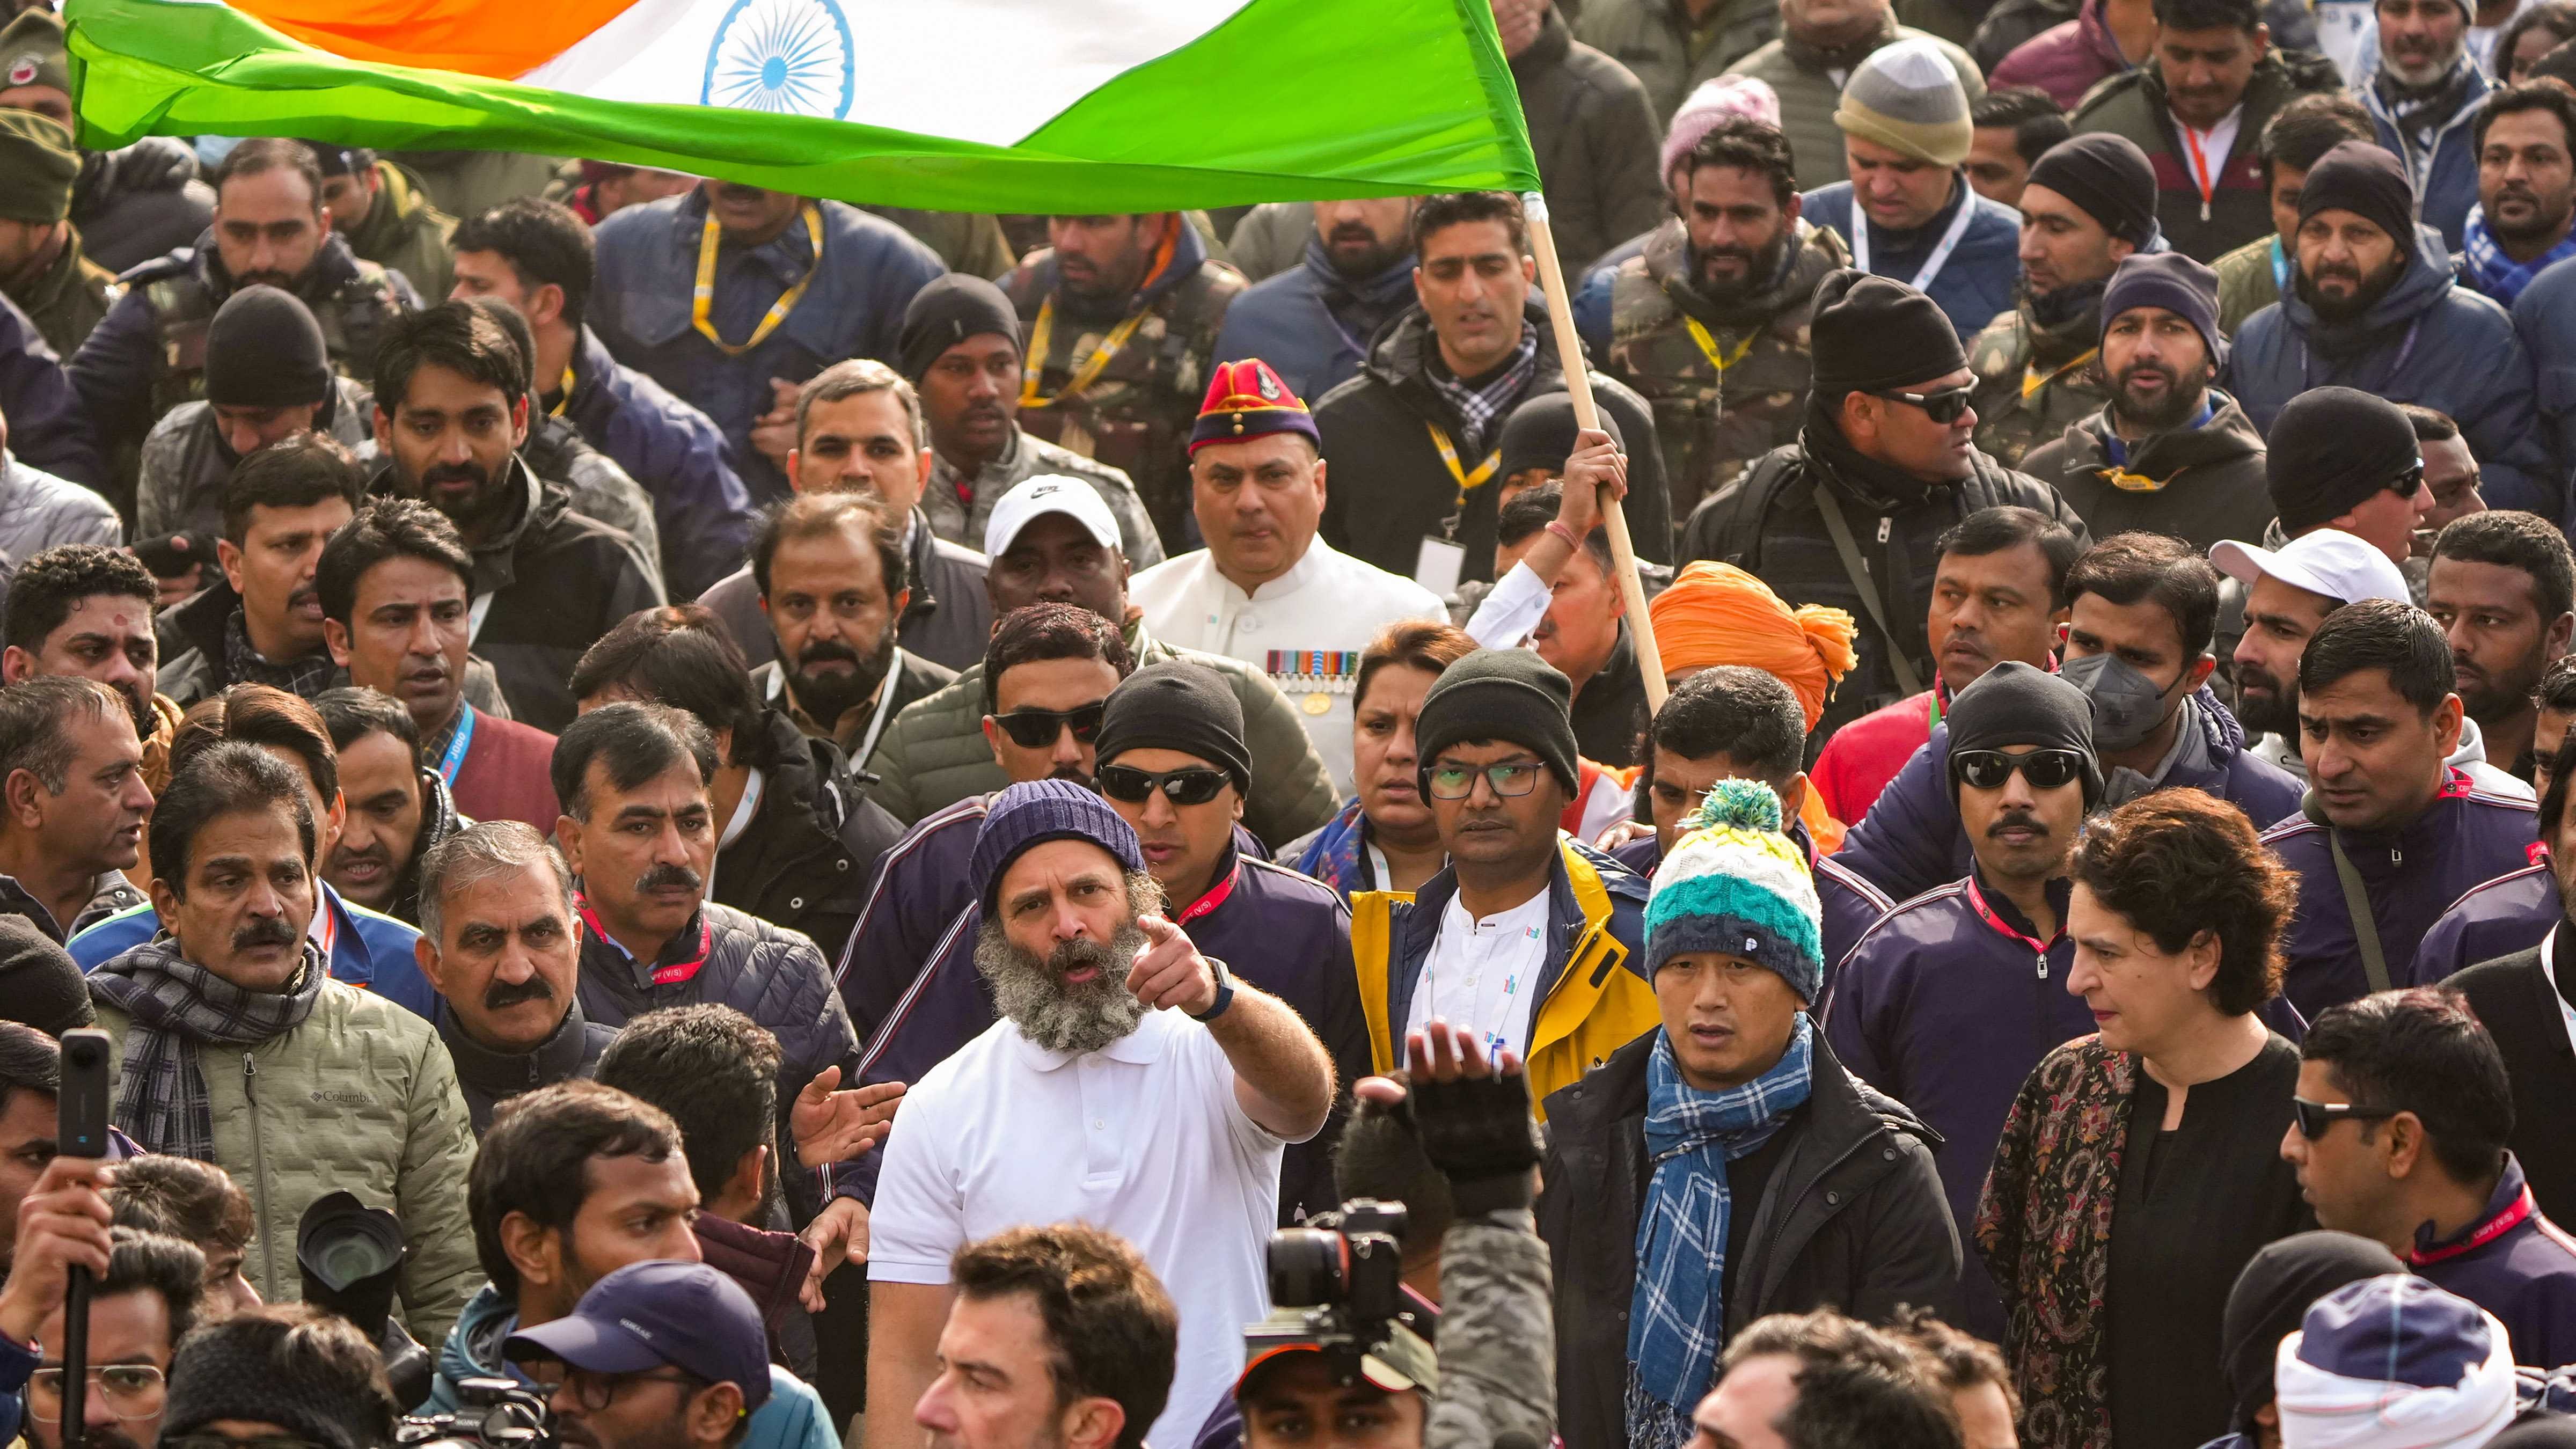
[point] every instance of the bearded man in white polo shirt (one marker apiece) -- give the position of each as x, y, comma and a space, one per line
1131, 1083
1266, 590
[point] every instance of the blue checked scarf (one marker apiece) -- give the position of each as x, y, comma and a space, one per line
178, 1009
2494, 273
1677, 1317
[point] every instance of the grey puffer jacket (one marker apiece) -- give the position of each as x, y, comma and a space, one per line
39, 510
934, 755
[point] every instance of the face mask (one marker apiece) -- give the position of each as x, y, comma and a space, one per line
2127, 705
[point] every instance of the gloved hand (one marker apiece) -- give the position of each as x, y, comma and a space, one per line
1471, 1116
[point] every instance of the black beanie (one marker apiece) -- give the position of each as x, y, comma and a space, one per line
2272, 1296
1540, 434
1871, 332
264, 350
2367, 181
1177, 706
2015, 704
40, 985
1501, 694
947, 312
2109, 177
2331, 450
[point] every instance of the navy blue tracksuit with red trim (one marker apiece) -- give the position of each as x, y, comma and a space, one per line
2514, 1263
2504, 917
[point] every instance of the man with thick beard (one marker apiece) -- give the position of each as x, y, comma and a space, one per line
2166, 452
2374, 306
1709, 322
1095, 1099
834, 585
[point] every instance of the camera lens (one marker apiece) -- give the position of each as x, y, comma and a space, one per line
342, 1261
1306, 1267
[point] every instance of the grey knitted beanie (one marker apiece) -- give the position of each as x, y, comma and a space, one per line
1907, 97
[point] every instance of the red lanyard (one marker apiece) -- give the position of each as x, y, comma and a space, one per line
2200, 173
1215, 897
2488, 1231
1986, 913
662, 975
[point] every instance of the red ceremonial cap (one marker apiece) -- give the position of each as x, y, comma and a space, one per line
1247, 399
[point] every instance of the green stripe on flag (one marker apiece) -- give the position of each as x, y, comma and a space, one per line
1291, 100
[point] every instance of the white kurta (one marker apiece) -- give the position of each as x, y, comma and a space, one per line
1306, 628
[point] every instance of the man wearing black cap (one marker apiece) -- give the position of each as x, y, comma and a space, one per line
2166, 452
385, 212
268, 378
536, 256
42, 268
1954, 996
2090, 204
2374, 306
2347, 459
961, 348
1515, 937
2270, 1300
1851, 515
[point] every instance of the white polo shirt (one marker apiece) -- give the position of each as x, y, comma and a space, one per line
1143, 1138
1305, 628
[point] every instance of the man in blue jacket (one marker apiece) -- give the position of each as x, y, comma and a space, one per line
2544, 317
2403, 1114
2423, 98
1313, 321
1951, 1000
2143, 609
2374, 306
798, 284
2384, 814
537, 256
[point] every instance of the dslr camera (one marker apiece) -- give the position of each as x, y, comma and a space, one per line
1337, 1287
493, 1413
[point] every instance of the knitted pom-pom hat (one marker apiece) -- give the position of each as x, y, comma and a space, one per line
1735, 884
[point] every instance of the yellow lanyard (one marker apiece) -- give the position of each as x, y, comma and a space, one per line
2032, 382
1467, 482
1708, 345
701, 308
1085, 373
566, 386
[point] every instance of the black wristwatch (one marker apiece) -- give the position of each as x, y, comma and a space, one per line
1224, 992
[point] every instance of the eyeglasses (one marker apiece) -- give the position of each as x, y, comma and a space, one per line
1456, 782
1195, 785
1941, 407
1035, 729
132, 1390
2316, 1117
595, 1392
2044, 769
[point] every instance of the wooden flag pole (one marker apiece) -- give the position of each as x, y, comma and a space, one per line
1578, 383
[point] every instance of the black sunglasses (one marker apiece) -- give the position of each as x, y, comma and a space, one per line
2044, 769
1940, 407
1035, 729
1193, 785
2316, 1117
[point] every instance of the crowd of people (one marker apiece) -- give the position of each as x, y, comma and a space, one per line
826, 825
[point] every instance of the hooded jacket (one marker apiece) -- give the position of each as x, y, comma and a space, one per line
1590, 1000
640, 307
674, 452
2201, 482
2238, 208
933, 754
1768, 523
1851, 1218
2427, 341
556, 582
2506, 916
2035, 379
2465, 836
186, 462
1311, 323
813, 843
1713, 422
2445, 177
2512, 1261
1981, 277
1595, 136
1946, 1005
2544, 316
1391, 489
2522, 1008
1912, 840
490, 1078
1809, 83
2066, 60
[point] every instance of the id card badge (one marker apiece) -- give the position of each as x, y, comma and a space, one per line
1438, 565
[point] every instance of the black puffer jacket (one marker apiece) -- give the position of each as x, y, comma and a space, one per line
1851, 1218
1767, 523
812, 847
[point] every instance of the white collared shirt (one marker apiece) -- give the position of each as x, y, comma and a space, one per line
1329, 603
1482, 973
1143, 1138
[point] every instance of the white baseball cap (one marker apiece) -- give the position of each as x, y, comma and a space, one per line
2329, 562
1049, 493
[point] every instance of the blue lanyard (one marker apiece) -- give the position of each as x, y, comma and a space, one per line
454, 759
2280, 268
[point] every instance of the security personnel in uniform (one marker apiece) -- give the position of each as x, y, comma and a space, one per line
42, 267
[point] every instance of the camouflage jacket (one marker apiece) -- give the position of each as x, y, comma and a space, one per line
67, 296
1716, 413
351, 297
1496, 1320
2033, 380
1135, 415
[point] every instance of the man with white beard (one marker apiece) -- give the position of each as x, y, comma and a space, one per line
1165, 1131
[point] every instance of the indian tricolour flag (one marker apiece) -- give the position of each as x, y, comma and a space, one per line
974, 105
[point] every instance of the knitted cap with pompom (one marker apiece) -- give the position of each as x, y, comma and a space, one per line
1734, 884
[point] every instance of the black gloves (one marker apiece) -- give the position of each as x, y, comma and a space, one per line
1477, 1131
